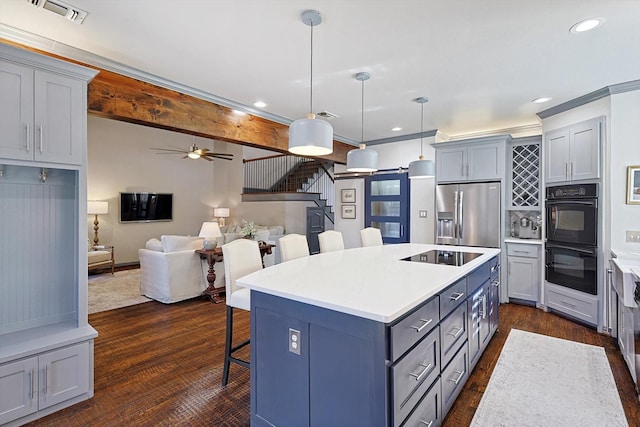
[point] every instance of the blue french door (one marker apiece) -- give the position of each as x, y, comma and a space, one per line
387, 206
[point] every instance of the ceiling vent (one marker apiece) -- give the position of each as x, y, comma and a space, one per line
72, 13
327, 115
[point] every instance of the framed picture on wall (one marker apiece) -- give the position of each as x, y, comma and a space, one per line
348, 195
633, 185
348, 211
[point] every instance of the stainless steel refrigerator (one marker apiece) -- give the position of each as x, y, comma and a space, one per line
468, 214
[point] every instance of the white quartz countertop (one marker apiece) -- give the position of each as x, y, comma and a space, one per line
371, 282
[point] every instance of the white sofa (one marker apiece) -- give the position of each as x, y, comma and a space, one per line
267, 233
171, 271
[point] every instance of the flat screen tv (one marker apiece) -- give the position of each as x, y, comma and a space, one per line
146, 207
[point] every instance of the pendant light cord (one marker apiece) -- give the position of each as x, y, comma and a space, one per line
311, 79
421, 127
362, 129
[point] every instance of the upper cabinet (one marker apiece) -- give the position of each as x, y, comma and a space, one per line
573, 152
42, 114
524, 177
479, 159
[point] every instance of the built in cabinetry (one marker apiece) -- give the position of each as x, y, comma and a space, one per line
46, 355
477, 159
573, 152
523, 271
350, 370
524, 187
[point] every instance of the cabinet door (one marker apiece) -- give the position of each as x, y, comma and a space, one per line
557, 155
451, 164
64, 374
485, 161
59, 118
522, 278
18, 389
16, 111
585, 150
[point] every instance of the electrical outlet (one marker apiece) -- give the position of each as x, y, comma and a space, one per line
294, 341
633, 236
423, 214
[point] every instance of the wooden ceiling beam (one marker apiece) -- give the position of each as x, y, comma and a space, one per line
118, 97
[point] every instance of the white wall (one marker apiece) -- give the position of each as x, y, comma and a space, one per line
393, 156
120, 159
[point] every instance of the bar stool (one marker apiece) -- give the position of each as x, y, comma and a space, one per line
330, 240
370, 237
240, 257
293, 246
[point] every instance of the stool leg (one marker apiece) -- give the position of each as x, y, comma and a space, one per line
227, 346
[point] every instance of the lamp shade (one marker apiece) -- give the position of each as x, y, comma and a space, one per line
97, 208
221, 212
362, 160
422, 169
310, 137
209, 229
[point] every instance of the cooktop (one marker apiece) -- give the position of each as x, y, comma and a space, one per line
455, 258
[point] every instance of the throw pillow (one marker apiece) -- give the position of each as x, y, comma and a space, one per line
154, 245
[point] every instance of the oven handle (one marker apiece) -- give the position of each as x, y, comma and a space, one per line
591, 252
572, 202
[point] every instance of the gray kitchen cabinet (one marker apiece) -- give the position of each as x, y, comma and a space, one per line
523, 271
42, 114
524, 184
573, 152
479, 159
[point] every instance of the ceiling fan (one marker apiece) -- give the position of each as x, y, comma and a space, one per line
196, 153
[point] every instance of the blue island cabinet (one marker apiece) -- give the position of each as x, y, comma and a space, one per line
337, 379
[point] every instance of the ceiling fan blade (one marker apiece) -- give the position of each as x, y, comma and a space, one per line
206, 158
168, 150
219, 157
220, 154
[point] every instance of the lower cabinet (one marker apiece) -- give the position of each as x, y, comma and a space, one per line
40, 382
577, 304
523, 271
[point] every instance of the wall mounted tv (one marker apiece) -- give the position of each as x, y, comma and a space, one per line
146, 207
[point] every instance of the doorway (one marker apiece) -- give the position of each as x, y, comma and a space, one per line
315, 226
386, 199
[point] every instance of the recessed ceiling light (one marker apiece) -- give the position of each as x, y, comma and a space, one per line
587, 24
541, 100
259, 104
396, 129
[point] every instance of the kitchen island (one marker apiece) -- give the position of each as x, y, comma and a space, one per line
370, 336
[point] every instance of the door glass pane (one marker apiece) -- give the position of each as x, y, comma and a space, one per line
388, 229
390, 187
385, 208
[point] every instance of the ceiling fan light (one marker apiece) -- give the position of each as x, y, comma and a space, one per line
193, 155
362, 160
310, 137
422, 169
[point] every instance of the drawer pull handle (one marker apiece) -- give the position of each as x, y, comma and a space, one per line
428, 424
456, 296
567, 303
424, 371
424, 325
496, 283
457, 380
521, 252
457, 333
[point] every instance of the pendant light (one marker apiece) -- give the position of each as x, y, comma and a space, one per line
421, 168
311, 136
362, 159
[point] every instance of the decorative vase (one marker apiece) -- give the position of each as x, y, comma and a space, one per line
210, 245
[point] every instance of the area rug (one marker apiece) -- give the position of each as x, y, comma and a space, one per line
545, 381
107, 292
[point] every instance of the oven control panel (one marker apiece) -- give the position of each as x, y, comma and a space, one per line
577, 191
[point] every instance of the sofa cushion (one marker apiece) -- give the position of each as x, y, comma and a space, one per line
172, 243
154, 245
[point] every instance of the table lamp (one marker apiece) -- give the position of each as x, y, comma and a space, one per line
97, 208
221, 214
210, 231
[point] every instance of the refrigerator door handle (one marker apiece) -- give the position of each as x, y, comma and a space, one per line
455, 215
461, 215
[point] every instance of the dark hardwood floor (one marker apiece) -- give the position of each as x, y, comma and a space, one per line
161, 365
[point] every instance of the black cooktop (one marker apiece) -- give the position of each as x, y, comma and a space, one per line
443, 257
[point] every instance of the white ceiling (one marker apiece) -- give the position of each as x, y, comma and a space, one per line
480, 63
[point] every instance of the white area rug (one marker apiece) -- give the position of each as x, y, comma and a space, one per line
545, 381
107, 292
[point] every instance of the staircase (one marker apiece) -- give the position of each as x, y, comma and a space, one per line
290, 178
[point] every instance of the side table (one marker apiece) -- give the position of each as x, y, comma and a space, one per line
215, 255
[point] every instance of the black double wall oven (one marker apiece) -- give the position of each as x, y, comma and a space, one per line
572, 237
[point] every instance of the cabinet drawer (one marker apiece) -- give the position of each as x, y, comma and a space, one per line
413, 374
428, 411
523, 250
453, 379
581, 306
413, 328
452, 296
453, 333
477, 277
